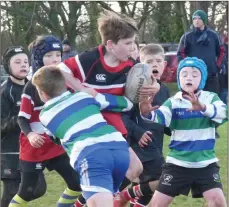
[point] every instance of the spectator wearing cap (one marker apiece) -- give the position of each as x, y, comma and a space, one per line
203, 43
67, 50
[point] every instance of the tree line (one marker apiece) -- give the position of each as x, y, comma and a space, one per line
158, 21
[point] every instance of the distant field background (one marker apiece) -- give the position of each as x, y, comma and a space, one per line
55, 184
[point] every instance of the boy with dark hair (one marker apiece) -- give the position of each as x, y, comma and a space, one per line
146, 139
96, 150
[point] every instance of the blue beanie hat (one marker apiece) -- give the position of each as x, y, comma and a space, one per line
197, 63
48, 44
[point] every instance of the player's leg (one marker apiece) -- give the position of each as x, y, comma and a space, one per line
174, 180
10, 176
100, 200
148, 182
29, 181
215, 198
210, 186
135, 167
61, 165
33, 184
133, 172
9, 189
160, 200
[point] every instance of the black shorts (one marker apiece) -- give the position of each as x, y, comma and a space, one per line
10, 166
26, 166
151, 170
176, 180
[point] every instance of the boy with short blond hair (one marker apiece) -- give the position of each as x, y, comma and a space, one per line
147, 139
105, 68
75, 119
151, 49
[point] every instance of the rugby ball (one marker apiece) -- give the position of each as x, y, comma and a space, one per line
138, 77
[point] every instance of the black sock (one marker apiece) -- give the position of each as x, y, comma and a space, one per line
124, 184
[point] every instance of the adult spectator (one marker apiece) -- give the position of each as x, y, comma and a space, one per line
223, 76
203, 43
67, 50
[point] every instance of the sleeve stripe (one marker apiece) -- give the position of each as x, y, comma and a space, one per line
80, 68
63, 67
38, 108
23, 114
27, 97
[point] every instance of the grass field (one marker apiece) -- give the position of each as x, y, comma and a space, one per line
56, 185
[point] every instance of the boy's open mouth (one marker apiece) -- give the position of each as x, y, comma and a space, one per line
188, 84
155, 71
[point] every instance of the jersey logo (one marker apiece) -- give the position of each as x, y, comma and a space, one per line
100, 78
38, 166
18, 103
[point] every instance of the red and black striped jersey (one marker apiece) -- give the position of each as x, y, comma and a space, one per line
90, 68
30, 108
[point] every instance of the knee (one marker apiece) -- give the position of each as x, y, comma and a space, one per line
74, 182
136, 170
39, 190
214, 201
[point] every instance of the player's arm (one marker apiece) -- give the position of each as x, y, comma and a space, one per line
8, 122
134, 130
70, 71
161, 115
113, 103
217, 111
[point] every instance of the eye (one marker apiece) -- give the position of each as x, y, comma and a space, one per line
149, 61
184, 74
194, 74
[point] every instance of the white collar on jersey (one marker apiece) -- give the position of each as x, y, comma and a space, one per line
53, 100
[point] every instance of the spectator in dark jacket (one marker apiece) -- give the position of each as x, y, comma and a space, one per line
205, 44
223, 77
67, 50
146, 139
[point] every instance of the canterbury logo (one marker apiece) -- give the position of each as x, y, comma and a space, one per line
56, 45
100, 77
18, 50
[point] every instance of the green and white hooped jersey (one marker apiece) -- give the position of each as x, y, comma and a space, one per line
76, 120
193, 132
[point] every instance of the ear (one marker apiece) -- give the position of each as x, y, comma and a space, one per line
109, 44
165, 64
43, 96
